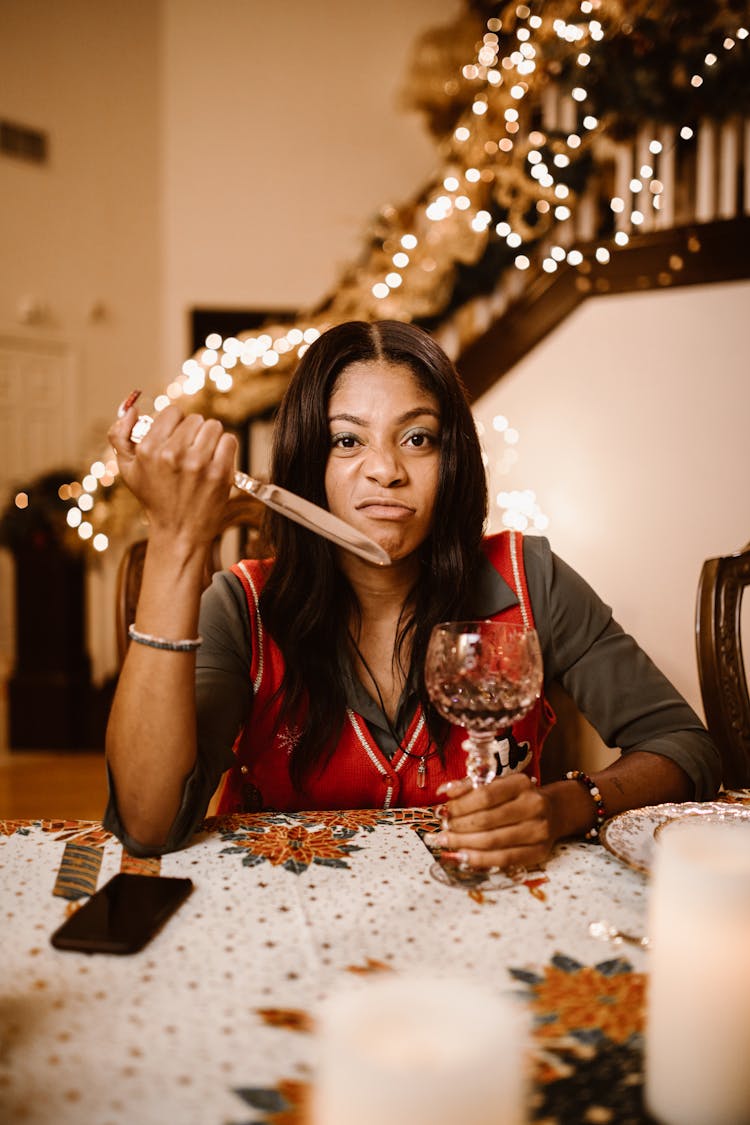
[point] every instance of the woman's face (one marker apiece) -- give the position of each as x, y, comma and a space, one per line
382, 469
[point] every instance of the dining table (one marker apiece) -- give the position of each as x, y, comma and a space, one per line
214, 1021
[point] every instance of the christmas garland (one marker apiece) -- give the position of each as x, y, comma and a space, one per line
507, 178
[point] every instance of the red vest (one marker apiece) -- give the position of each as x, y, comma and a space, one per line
358, 775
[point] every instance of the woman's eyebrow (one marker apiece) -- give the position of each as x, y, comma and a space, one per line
408, 416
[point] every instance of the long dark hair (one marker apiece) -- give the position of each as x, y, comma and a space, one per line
306, 603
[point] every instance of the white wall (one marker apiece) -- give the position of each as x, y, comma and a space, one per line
283, 136
228, 153
80, 235
634, 422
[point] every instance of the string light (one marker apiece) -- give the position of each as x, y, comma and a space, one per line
521, 510
498, 87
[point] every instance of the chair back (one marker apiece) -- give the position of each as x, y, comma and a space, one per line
240, 537
721, 668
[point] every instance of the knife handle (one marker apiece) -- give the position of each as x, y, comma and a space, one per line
305, 513
143, 424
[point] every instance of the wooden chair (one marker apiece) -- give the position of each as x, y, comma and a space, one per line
720, 664
240, 537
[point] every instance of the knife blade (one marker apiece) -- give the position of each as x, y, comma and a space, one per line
313, 517
294, 507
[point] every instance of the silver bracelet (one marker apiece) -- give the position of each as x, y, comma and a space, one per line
162, 642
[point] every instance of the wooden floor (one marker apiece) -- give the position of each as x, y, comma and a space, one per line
52, 783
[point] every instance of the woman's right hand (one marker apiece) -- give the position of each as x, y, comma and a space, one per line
181, 471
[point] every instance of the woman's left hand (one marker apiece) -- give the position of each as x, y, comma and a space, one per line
509, 821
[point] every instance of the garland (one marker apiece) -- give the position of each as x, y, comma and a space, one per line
480, 83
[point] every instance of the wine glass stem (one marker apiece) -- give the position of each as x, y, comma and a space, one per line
481, 764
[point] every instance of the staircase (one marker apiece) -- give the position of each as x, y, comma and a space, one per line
695, 254
646, 220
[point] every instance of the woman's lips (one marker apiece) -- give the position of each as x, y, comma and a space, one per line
385, 509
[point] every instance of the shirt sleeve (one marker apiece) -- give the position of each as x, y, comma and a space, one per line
626, 698
223, 694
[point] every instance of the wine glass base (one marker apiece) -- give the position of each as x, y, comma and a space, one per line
452, 874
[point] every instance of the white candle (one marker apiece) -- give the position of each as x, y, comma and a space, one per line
698, 1016
404, 1051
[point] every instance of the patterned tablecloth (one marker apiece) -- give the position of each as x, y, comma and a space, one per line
213, 1022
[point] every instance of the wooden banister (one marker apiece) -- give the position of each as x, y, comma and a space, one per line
691, 255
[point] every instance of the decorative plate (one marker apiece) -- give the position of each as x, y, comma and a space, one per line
631, 835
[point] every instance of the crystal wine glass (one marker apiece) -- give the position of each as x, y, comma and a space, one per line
484, 676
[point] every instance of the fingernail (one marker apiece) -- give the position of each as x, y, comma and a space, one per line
435, 839
460, 858
124, 406
448, 787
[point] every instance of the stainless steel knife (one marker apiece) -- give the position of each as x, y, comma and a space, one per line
295, 508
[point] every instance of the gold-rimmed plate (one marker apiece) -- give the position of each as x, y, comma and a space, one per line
631, 835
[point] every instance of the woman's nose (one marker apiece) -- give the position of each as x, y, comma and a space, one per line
384, 467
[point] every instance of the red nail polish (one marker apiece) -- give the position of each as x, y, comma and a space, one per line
129, 401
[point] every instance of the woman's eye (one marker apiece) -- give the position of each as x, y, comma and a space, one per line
344, 441
420, 439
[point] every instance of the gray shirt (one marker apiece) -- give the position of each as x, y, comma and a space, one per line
615, 684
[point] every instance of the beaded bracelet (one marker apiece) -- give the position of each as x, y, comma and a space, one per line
162, 642
593, 788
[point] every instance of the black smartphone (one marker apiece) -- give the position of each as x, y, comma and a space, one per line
123, 914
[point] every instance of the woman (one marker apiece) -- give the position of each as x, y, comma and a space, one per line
307, 690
